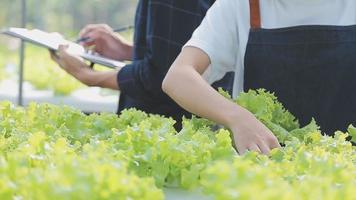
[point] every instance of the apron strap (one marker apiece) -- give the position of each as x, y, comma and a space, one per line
255, 14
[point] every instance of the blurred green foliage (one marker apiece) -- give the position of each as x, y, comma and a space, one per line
7, 57
66, 17
43, 73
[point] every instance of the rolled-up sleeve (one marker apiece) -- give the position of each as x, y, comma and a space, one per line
141, 81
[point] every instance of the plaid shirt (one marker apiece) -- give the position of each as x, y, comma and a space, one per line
162, 27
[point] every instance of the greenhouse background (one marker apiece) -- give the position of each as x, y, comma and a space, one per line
60, 139
43, 80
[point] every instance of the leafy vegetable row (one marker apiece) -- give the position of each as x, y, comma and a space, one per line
52, 152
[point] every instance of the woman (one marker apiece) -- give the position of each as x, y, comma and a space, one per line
303, 50
161, 29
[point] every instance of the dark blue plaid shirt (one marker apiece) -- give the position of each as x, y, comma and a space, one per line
162, 27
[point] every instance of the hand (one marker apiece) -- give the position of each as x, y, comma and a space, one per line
74, 65
251, 135
106, 42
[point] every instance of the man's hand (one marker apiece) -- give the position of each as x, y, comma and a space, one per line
106, 42
75, 66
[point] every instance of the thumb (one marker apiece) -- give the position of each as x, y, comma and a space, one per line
62, 50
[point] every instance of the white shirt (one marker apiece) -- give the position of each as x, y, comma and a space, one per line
224, 32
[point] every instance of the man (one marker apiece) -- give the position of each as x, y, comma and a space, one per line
162, 27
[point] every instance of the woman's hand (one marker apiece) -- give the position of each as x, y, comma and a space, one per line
186, 86
105, 42
249, 134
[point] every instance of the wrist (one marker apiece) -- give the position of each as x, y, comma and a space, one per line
84, 75
121, 52
128, 49
123, 48
236, 117
103, 79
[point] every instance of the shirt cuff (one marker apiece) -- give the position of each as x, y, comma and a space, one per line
126, 79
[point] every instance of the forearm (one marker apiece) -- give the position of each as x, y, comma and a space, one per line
75, 66
129, 47
187, 87
103, 79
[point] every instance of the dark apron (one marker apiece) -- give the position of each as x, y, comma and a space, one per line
311, 69
145, 26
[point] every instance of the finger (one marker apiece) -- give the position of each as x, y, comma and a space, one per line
275, 145
255, 148
94, 38
59, 62
93, 27
273, 142
63, 54
56, 58
271, 139
68, 60
86, 29
89, 42
241, 150
53, 55
104, 27
91, 39
62, 63
264, 148
62, 49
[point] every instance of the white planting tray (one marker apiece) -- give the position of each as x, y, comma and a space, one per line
180, 194
87, 99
